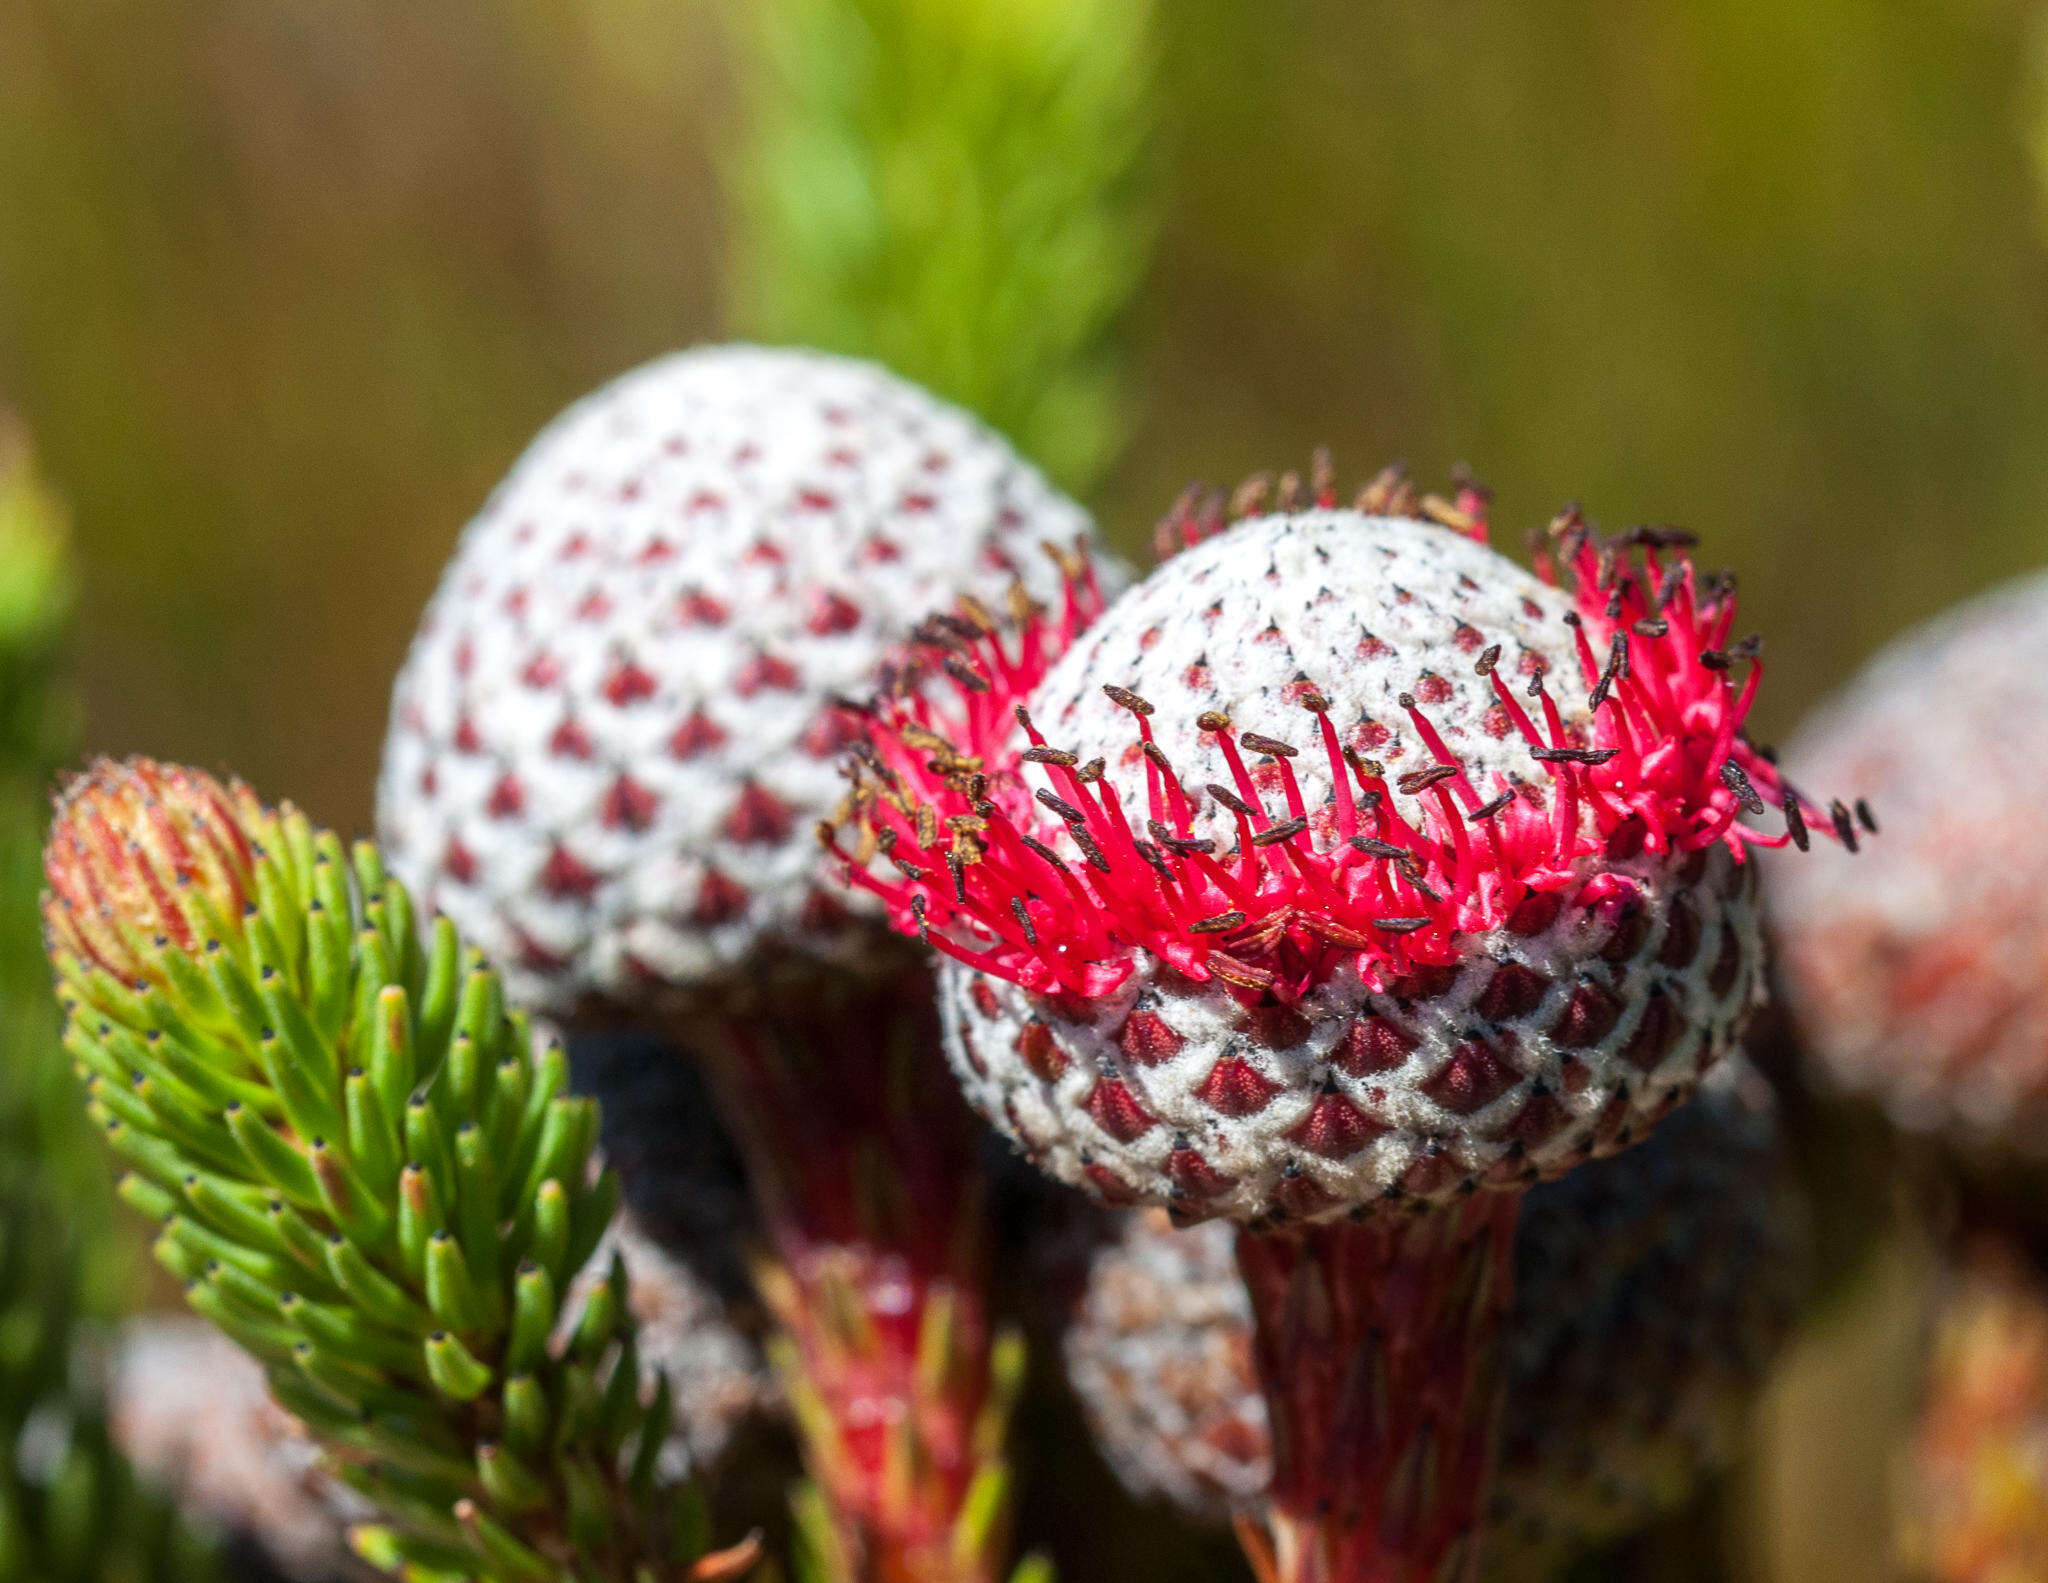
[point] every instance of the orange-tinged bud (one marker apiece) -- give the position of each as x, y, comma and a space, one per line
142, 855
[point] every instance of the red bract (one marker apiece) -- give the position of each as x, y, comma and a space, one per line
139, 850
1055, 887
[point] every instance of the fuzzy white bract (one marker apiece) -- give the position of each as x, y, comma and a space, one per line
617, 725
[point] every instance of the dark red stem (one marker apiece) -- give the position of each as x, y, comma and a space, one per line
859, 1151
1379, 1345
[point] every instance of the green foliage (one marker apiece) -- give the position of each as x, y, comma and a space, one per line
957, 190
366, 1180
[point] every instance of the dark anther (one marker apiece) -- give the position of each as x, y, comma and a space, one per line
1488, 810
1213, 720
966, 675
1091, 772
1382, 849
1400, 925
1736, 781
1715, 660
1230, 800
1845, 827
1089, 849
1042, 850
1124, 698
1795, 822
1407, 700
1315, 703
1023, 916
1266, 745
1155, 755
1066, 810
1865, 817
1573, 755
1273, 835
1649, 628
1418, 781
1222, 923
1059, 756
1152, 855
1484, 665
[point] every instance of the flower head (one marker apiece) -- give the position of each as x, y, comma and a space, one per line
1340, 861
141, 852
622, 713
1916, 972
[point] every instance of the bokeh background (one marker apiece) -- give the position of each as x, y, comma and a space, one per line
285, 285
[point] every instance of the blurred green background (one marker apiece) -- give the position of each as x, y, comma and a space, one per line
286, 284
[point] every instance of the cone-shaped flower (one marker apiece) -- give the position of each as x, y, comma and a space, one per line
622, 713
1342, 869
1652, 1289
362, 1176
1918, 973
143, 856
619, 723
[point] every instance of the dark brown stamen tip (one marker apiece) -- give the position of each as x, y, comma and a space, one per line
1484, 665
1400, 925
1124, 698
1315, 703
966, 675
1488, 810
1845, 826
1230, 799
1416, 781
1059, 805
1381, 849
1865, 817
1273, 835
1212, 720
1795, 822
1057, 756
1573, 755
1266, 745
1222, 923
1735, 780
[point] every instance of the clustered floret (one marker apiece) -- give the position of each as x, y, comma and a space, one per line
1360, 863
1915, 972
622, 713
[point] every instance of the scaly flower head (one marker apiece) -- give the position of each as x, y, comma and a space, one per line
142, 853
1919, 973
1340, 862
622, 712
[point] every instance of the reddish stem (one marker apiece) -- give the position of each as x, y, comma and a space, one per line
1379, 1348
859, 1151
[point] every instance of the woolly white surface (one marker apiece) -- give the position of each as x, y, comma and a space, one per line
1919, 966
1159, 1352
1231, 623
771, 481
1322, 580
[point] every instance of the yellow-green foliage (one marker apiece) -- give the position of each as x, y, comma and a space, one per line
958, 190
